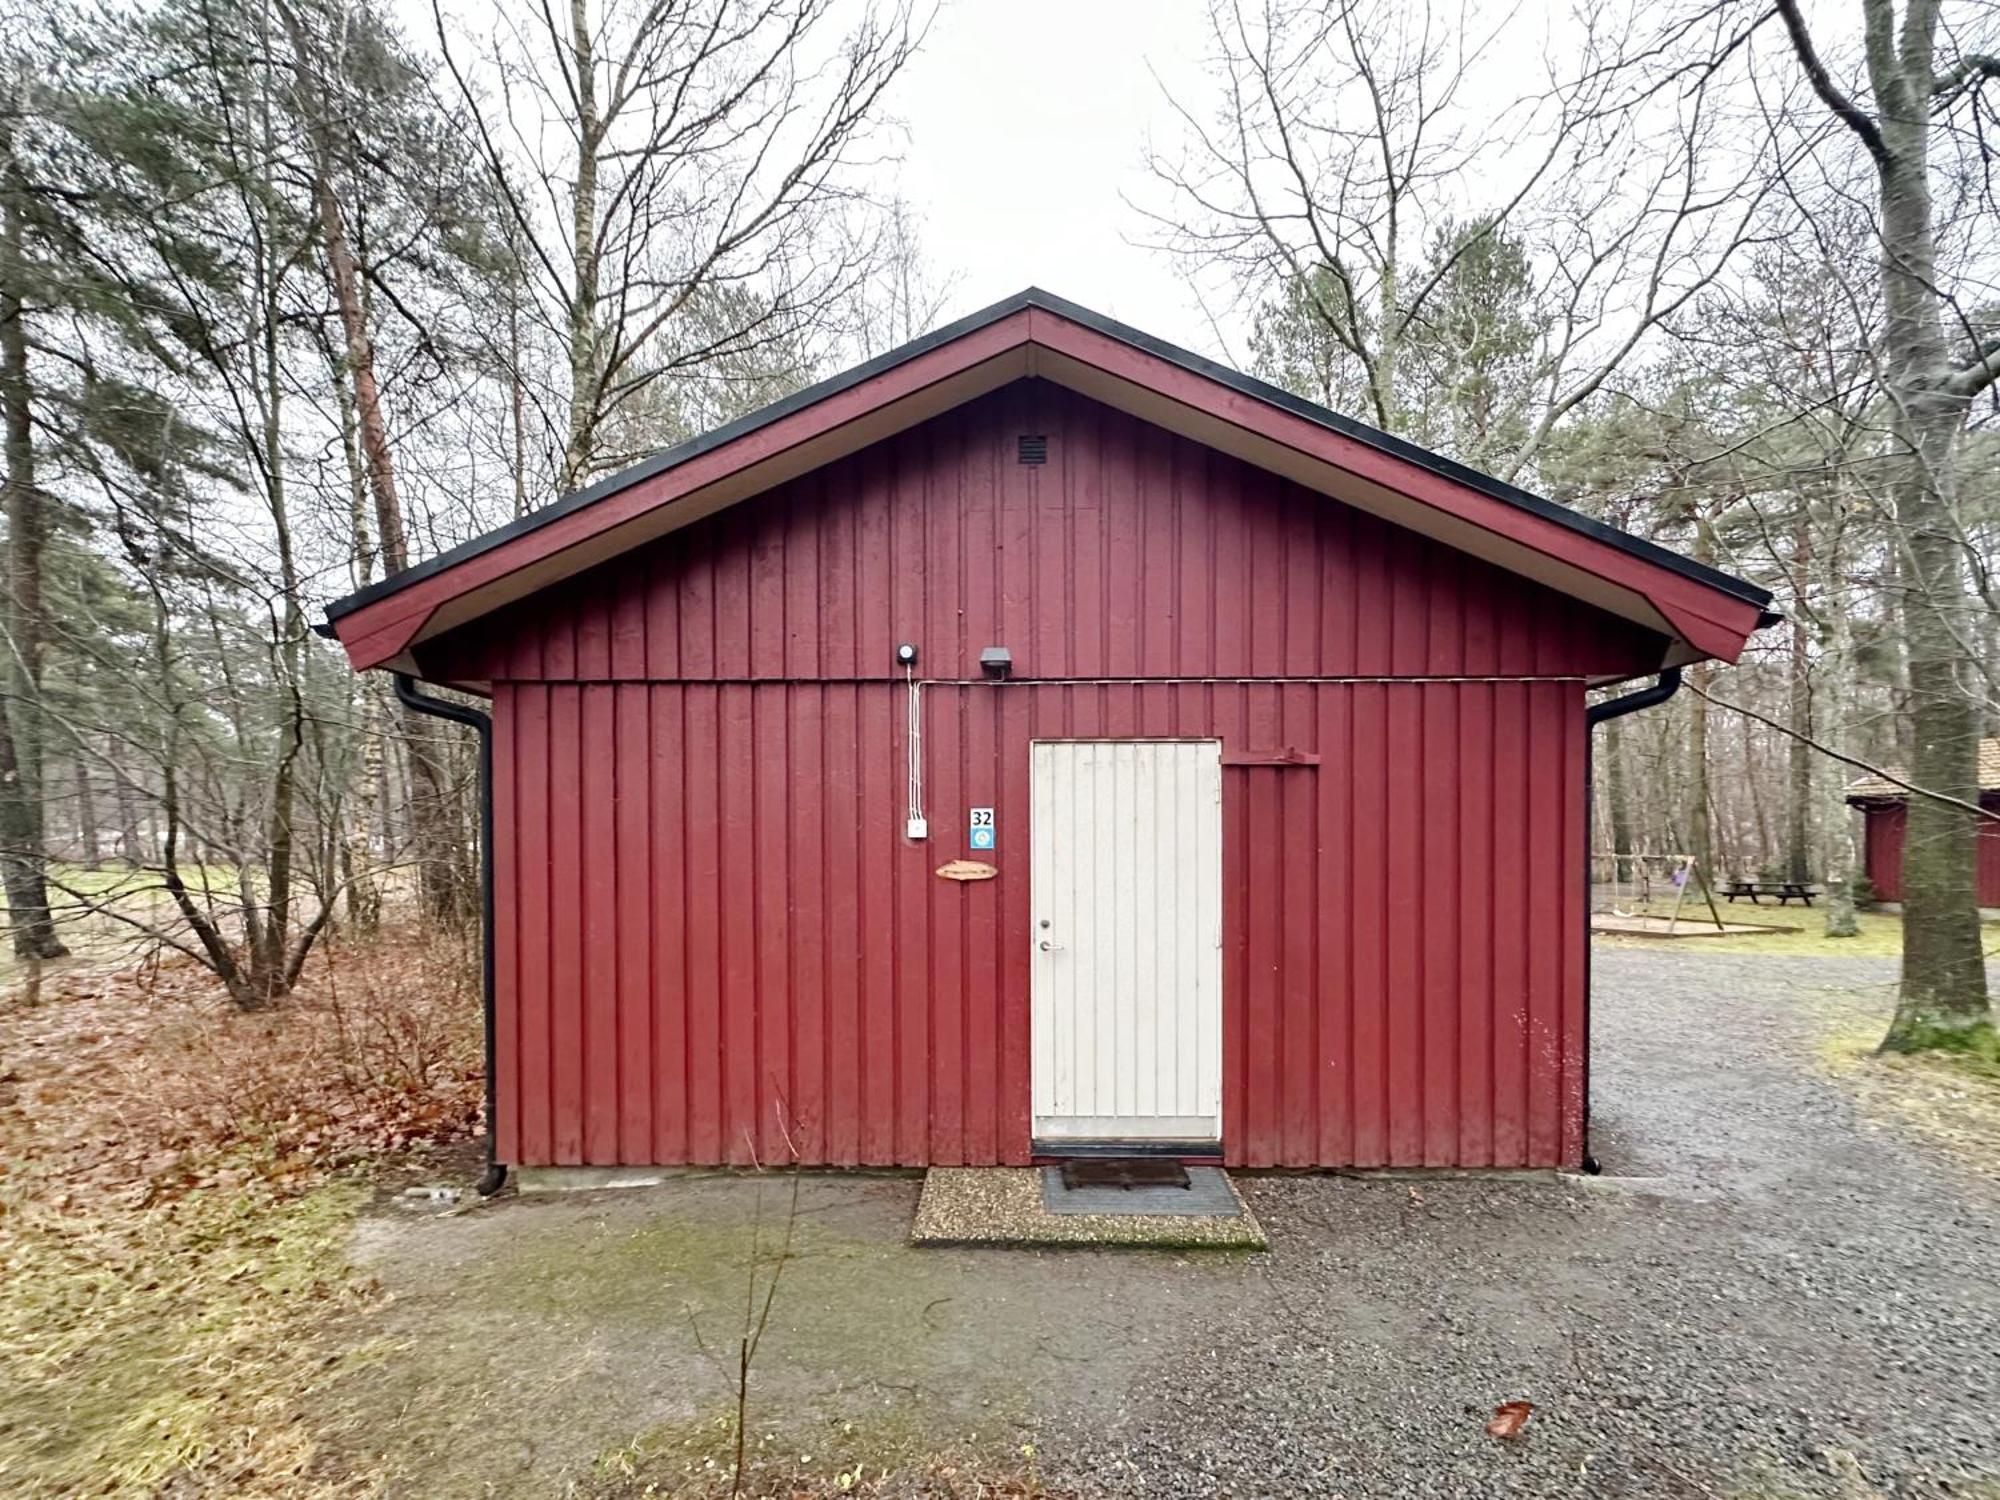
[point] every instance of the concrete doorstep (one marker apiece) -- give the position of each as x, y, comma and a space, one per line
1007, 1206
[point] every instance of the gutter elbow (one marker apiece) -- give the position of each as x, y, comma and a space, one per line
1659, 692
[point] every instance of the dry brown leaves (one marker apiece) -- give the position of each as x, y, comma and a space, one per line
174, 1214
1509, 1417
138, 1082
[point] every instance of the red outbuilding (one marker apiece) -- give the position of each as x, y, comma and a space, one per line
1885, 808
1043, 740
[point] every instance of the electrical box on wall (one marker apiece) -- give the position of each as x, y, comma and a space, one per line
916, 828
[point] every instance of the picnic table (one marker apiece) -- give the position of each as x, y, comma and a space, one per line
1784, 890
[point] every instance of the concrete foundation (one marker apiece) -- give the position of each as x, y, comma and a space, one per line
588, 1179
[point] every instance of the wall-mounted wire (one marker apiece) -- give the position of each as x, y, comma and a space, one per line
915, 826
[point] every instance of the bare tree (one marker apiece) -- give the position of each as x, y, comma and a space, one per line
904, 299
1346, 171
663, 157
1936, 358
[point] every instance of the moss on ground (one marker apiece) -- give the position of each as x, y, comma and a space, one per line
671, 1263
688, 1277
622, 1312
1976, 1047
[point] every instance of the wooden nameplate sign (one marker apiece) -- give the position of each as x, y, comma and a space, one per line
965, 869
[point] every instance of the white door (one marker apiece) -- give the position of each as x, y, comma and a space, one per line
1127, 934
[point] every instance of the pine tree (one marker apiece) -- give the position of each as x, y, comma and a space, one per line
90, 173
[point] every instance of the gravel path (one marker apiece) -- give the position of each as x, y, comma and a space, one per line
1766, 1296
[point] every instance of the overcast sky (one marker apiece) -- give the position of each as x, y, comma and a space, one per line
1027, 126
1024, 126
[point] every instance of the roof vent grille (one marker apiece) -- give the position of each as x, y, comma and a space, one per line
1032, 448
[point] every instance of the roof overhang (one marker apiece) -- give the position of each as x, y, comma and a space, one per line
1701, 612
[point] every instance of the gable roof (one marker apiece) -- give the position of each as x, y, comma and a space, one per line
1881, 789
1702, 611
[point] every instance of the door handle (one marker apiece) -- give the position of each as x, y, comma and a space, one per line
1049, 947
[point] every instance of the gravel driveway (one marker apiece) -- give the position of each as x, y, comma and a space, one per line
1765, 1296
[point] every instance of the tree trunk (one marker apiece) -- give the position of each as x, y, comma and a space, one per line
1837, 818
1750, 784
364, 892
86, 815
267, 934
517, 394
357, 860
1943, 997
344, 271
1943, 991
1798, 748
271, 938
443, 872
1701, 810
584, 374
23, 851
1619, 799
1700, 842
132, 847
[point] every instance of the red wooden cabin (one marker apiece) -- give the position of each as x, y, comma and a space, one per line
1281, 788
1885, 810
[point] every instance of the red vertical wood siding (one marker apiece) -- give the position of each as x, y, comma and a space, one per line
715, 943
848, 1003
1885, 849
1887, 826
1988, 877
1131, 553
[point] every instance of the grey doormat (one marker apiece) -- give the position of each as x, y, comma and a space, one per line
1005, 1206
1123, 1172
1208, 1192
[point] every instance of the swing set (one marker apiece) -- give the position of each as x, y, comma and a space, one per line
1639, 882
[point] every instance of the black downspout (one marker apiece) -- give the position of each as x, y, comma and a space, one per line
1598, 713
406, 689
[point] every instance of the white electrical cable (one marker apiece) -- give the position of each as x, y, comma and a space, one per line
916, 747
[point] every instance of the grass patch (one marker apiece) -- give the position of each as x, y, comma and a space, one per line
1880, 936
888, 1453
1948, 1099
100, 911
166, 1346
106, 881
178, 1188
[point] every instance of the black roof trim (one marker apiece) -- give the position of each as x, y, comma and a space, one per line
1248, 385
